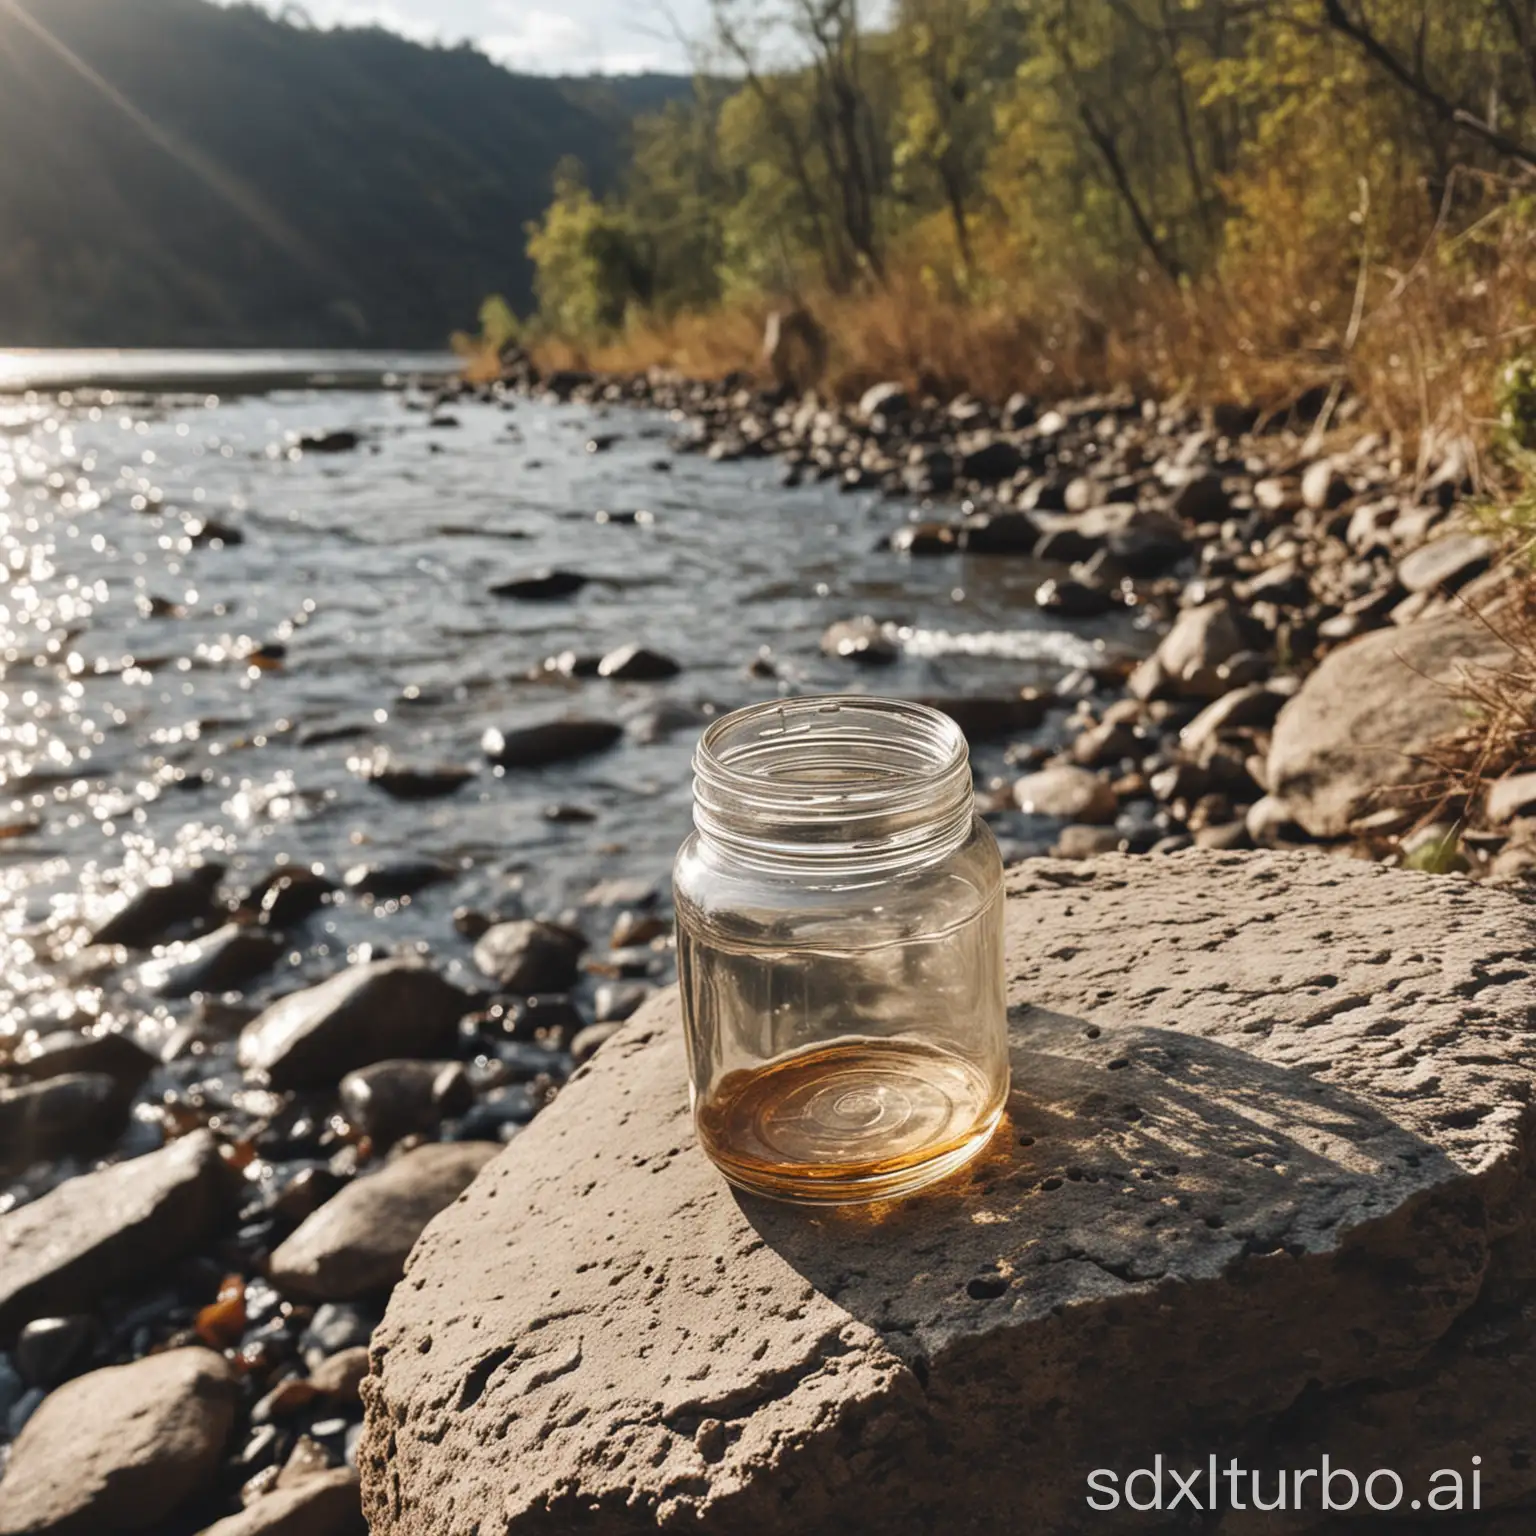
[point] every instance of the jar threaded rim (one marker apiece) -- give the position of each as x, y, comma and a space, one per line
835, 777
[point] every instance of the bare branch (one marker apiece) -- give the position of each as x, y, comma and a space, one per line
1414, 80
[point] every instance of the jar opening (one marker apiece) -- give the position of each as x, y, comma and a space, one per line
841, 776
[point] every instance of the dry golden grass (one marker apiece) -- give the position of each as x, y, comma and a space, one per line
1418, 338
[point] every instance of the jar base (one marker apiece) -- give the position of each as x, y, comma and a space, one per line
853, 1121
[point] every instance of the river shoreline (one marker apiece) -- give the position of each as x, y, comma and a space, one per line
435, 880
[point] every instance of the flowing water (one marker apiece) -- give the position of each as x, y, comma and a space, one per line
204, 629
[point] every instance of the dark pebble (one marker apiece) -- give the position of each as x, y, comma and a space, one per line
114, 1054
554, 741
342, 441
289, 895
224, 961
334, 1327
634, 663
170, 900
52, 1349
77, 1113
541, 586
1073, 599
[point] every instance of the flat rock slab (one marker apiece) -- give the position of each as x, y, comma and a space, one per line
1267, 1142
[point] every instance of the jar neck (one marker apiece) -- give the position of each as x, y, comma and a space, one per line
841, 785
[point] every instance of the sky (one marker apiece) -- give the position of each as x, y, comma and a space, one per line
538, 36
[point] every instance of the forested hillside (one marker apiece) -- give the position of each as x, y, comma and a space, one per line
1247, 194
176, 173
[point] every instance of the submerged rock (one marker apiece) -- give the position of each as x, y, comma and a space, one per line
393, 878
357, 1242
412, 781
542, 586
553, 741
342, 440
862, 640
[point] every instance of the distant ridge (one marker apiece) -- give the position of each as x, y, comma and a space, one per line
175, 173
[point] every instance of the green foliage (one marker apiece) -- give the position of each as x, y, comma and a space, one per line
1438, 852
1068, 151
589, 263
1517, 405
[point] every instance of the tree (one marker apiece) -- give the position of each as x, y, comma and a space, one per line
589, 268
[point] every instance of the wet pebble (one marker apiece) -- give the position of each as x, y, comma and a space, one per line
541, 586
391, 879
861, 640
635, 663
171, 899
223, 961
411, 781
551, 742
530, 956
51, 1349
391, 1099
78, 1113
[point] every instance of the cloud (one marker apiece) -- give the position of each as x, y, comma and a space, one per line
551, 42
582, 37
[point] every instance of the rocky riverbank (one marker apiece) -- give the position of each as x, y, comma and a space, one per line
1330, 615
237, 1085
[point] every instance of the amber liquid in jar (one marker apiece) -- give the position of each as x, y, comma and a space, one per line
850, 1115
847, 1117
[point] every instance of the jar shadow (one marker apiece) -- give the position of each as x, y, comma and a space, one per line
1126, 1157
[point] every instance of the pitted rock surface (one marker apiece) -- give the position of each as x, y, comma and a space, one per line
1267, 1146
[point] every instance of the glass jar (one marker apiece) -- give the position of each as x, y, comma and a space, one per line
840, 950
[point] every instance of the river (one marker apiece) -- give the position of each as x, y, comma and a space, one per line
141, 722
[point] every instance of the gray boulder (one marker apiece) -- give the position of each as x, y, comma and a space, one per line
1367, 722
